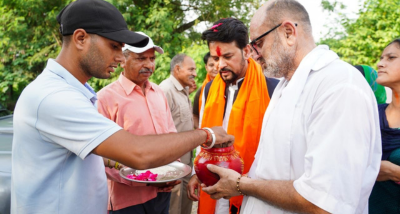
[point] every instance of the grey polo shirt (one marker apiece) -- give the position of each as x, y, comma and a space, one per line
56, 126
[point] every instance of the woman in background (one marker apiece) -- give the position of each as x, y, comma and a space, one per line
370, 75
385, 196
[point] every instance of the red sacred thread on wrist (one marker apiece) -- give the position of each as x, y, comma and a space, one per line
208, 136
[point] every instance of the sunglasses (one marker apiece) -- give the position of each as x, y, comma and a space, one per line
253, 43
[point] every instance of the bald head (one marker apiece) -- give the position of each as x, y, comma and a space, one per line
281, 36
276, 11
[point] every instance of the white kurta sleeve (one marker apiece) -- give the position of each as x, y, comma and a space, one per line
341, 140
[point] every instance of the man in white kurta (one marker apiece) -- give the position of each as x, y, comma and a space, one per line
320, 146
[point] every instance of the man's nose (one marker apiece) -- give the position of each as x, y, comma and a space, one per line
120, 57
221, 63
149, 63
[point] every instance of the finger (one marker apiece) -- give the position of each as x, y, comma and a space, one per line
216, 196
165, 189
210, 190
230, 139
192, 196
173, 183
188, 192
193, 193
216, 169
169, 189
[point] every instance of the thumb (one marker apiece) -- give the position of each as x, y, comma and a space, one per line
213, 168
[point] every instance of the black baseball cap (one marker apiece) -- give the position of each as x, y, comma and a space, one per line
98, 17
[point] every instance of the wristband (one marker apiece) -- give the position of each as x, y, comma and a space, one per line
213, 139
237, 185
108, 164
116, 165
208, 136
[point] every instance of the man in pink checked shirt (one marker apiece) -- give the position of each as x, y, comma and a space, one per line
141, 108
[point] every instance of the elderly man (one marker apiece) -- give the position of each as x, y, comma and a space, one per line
320, 145
212, 71
236, 99
176, 89
59, 136
151, 115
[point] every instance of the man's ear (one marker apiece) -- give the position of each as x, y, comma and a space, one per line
81, 39
176, 69
290, 32
247, 52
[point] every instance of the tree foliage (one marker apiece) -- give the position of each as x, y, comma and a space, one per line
29, 34
364, 39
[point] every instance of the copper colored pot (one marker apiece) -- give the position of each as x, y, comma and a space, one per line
226, 157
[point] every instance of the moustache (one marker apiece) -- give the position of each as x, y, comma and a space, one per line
191, 77
226, 69
145, 70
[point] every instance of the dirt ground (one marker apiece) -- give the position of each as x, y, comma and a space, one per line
194, 207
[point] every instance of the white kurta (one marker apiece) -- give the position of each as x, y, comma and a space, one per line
321, 129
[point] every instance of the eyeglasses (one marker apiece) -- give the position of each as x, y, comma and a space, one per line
253, 43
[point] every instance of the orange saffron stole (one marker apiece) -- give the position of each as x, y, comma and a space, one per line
245, 121
207, 80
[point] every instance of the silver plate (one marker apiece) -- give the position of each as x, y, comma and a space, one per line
180, 170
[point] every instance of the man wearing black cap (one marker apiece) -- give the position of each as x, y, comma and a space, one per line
58, 134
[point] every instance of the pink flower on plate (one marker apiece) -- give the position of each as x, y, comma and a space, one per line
145, 176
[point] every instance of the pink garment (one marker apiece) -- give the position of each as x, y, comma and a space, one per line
124, 103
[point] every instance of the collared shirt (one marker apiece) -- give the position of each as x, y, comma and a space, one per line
321, 129
56, 126
232, 91
141, 114
181, 108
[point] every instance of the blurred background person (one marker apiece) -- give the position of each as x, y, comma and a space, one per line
370, 75
212, 71
176, 89
386, 192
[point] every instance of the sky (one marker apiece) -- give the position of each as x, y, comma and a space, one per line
320, 18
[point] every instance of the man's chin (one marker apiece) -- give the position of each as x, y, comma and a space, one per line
228, 80
105, 76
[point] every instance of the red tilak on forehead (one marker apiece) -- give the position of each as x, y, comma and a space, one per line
218, 51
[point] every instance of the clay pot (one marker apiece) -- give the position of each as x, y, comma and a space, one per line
226, 157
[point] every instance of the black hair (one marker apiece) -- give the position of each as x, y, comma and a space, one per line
395, 41
227, 30
206, 57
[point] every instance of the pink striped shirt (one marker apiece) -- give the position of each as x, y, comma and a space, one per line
124, 103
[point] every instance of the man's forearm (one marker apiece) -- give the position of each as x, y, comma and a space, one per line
280, 194
143, 152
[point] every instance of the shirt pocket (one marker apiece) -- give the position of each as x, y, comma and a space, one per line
185, 113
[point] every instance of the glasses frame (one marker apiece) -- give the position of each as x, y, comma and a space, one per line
253, 43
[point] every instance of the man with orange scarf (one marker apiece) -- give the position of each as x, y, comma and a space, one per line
212, 71
236, 99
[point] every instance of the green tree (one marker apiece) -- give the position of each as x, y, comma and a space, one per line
364, 39
29, 34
